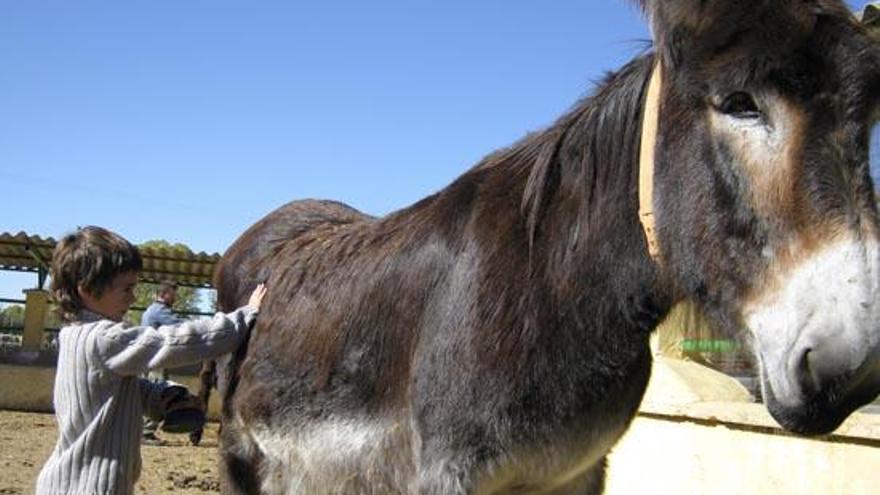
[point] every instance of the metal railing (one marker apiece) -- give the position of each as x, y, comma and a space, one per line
11, 334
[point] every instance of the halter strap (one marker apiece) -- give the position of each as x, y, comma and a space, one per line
646, 161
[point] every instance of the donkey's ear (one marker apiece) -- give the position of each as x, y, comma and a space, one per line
674, 24
871, 15
691, 30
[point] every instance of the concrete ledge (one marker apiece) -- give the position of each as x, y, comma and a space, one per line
682, 391
861, 427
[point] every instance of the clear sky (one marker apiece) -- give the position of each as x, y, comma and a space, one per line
190, 120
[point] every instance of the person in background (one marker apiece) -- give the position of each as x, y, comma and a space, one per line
159, 313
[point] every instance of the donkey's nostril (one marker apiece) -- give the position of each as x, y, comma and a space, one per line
821, 366
805, 376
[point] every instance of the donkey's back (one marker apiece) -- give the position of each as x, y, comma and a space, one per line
318, 402
248, 261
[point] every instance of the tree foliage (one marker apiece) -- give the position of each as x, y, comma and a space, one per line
12, 316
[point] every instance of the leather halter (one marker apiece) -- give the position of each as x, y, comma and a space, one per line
650, 120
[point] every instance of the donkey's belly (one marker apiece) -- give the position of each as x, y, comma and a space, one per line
572, 459
568, 465
376, 458
338, 456
350, 451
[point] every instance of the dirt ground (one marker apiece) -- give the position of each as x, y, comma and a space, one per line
27, 439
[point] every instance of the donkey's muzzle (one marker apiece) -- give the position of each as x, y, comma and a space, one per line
829, 388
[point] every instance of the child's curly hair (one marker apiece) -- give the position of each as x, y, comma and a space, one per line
89, 258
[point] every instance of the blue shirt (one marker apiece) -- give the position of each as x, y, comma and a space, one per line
159, 314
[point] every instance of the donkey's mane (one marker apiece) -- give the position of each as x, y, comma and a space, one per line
587, 155
593, 149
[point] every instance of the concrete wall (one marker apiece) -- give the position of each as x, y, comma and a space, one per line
26, 388
699, 431
675, 455
29, 388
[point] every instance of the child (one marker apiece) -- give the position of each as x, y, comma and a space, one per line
99, 397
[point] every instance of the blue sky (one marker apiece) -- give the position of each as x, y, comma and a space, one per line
189, 120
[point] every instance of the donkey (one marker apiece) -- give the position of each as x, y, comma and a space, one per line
493, 337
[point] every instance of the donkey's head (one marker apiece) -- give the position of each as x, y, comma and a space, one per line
764, 205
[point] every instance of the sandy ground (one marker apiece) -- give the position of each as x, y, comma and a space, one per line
27, 439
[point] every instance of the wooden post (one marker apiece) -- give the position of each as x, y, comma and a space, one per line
685, 324
36, 306
671, 332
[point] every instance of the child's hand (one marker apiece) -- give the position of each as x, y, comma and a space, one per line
257, 297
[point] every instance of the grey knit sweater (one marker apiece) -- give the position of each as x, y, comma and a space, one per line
100, 400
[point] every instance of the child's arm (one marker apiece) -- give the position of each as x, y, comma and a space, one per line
127, 350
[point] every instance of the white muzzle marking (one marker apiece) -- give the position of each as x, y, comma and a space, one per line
829, 299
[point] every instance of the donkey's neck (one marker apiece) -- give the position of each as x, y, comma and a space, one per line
581, 201
564, 202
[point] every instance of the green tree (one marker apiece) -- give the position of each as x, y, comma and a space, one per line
12, 316
188, 298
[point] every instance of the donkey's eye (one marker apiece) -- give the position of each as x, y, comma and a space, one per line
740, 105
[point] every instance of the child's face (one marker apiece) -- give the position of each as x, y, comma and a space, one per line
114, 302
